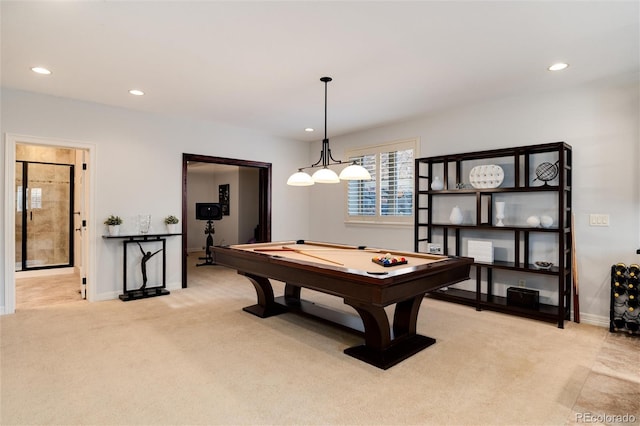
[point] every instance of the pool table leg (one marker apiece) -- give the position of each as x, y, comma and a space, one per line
381, 349
292, 293
405, 316
266, 306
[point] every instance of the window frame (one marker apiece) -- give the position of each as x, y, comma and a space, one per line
377, 150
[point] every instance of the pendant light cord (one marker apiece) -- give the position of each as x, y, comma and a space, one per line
326, 152
325, 104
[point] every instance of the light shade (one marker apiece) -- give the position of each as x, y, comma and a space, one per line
300, 178
355, 172
558, 66
325, 175
41, 70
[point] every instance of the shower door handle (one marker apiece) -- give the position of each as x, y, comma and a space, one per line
31, 215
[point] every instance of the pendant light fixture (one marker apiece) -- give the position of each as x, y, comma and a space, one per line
324, 174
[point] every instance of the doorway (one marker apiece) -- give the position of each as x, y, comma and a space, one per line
262, 199
64, 252
44, 214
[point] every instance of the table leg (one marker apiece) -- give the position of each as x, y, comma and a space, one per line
381, 349
266, 306
377, 335
406, 316
292, 293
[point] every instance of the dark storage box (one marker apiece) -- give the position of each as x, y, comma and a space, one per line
523, 297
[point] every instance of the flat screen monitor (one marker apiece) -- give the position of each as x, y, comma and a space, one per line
208, 211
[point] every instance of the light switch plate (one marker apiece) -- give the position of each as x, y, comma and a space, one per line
598, 219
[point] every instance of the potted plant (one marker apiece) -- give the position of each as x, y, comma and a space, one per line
171, 221
113, 222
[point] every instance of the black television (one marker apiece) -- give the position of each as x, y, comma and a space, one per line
208, 211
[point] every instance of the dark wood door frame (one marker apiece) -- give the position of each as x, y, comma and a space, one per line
264, 201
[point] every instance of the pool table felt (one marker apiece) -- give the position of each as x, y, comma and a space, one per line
349, 257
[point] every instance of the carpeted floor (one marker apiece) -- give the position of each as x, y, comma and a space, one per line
194, 357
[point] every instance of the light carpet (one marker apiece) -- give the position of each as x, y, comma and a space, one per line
194, 357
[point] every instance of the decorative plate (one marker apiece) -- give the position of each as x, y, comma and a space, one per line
543, 265
490, 176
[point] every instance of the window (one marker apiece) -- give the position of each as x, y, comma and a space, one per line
388, 196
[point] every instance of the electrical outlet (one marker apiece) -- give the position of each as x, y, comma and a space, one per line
598, 219
522, 283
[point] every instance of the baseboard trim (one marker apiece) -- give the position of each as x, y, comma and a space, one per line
598, 320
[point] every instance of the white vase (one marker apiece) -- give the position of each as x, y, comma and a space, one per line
114, 230
533, 221
144, 223
546, 221
171, 228
456, 216
499, 213
437, 184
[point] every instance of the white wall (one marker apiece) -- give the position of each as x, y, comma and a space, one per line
600, 121
248, 208
236, 228
227, 227
201, 189
139, 167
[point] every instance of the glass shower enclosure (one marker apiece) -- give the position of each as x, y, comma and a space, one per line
44, 215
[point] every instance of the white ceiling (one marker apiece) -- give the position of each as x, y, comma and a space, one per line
258, 64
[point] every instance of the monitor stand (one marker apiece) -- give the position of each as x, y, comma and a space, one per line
208, 258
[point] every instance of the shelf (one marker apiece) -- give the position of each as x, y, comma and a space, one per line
520, 164
138, 236
548, 313
464, 297
512, 266
487, 227
473, 191
503, 152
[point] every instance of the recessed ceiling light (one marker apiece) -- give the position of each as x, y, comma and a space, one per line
41, 70
308, 129
558, 67
136, 92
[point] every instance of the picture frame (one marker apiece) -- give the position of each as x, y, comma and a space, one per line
223, 198
434, 248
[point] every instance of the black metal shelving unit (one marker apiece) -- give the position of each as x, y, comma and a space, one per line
520, 163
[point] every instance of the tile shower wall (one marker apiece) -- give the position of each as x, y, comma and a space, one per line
48, 234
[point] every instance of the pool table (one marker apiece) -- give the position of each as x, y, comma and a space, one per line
355, 274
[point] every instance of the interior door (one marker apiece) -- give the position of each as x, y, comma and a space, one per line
20, 211
45, 194
80, 215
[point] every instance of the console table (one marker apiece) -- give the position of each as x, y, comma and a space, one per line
144, 291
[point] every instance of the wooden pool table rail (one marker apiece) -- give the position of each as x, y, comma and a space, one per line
368, 294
